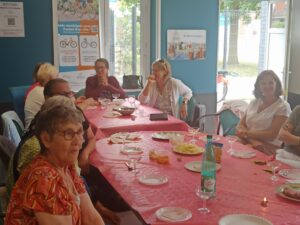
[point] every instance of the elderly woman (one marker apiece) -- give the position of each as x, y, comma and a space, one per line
35, 97
101, 85
265, 115
49, 191
163, 92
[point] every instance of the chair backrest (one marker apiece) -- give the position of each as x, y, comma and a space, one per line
13, 127
190, 109
18, 99
79, 93
228, 121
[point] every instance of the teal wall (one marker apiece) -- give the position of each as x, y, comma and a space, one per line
19, 55
200, 75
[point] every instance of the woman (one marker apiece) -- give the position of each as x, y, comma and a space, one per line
101, 85
35, 98
49, 191
290, 132
265, 115
163, 92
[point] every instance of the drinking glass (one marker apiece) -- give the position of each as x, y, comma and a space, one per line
193, 131
274, 166
131, 100
231, 139
115, 95
204, 196
133, 159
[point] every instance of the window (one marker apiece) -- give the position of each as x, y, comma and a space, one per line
125, 33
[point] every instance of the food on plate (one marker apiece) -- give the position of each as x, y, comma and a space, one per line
292, 190
159, 158
260, 162
188, 148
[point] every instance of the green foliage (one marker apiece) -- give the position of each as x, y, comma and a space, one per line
129, 3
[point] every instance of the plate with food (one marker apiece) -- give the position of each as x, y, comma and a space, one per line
293, 174
153, 179
164, 135
173, 214
237, 219
188, 149
131, 150
196, 166
289, 191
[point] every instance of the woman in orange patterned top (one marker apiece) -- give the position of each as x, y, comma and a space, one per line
49, 191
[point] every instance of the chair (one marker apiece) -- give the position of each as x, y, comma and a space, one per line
226, 120
190, 109
18, 99
13, 127
79, 93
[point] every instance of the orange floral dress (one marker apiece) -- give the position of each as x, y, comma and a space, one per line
40, 188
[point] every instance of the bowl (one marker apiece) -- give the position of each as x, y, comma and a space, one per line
125, 111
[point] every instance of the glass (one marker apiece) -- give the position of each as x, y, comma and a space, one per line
131, 100
115, 95
204, 196
274, 166
70, 134
133, 158
104, 102
193, 131
231, 139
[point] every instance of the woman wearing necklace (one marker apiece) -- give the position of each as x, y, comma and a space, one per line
163, 92
49, 190
265, 114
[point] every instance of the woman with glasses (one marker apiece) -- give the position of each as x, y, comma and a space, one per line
49, 190
101, 85
163, 92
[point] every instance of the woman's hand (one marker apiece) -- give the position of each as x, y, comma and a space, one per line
151, 79
183, 110
103, 81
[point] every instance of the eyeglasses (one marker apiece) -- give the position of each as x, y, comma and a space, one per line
70, 134
68, 94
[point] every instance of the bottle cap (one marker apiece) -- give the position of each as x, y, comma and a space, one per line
209, 136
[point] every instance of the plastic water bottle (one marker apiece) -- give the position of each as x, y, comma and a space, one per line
208, 171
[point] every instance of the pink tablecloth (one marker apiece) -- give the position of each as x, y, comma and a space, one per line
104, 127
241, 185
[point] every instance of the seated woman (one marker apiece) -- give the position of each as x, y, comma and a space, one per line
265, 115
35, 98
290, 132
49, 191
101, 85
163, 92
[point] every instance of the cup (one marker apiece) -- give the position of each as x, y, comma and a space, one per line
218, 151
176, 139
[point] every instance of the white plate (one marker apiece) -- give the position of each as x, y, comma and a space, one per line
164, 135
293, 174
153, 179
196, 166
244, 154
243, 219
131, 150
279, 191
173, 214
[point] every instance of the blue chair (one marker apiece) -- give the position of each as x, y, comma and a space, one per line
18, 99
190, 109
81, 92
226, 120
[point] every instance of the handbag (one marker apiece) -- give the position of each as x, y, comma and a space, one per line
132, 82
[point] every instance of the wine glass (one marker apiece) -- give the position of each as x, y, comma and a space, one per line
204, 196
274, 166
231, 139
115, 95
193, 131
131, 100
133, 158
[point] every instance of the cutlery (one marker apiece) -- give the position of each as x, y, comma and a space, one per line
128, 166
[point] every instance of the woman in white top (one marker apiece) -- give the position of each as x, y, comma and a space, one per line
35, 99
265, 115
163, 92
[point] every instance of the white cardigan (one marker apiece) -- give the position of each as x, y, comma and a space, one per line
178, 89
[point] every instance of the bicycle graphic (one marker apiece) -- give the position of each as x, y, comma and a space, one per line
85, 43
68, 42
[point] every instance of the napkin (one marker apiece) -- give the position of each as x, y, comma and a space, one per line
245, 154
117, 138
288, 158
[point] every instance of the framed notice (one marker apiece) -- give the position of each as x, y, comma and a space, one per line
186, 44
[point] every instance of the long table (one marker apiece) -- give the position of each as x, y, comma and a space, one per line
104, 127
241, 184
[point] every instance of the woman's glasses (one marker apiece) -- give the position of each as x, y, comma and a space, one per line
70, 134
